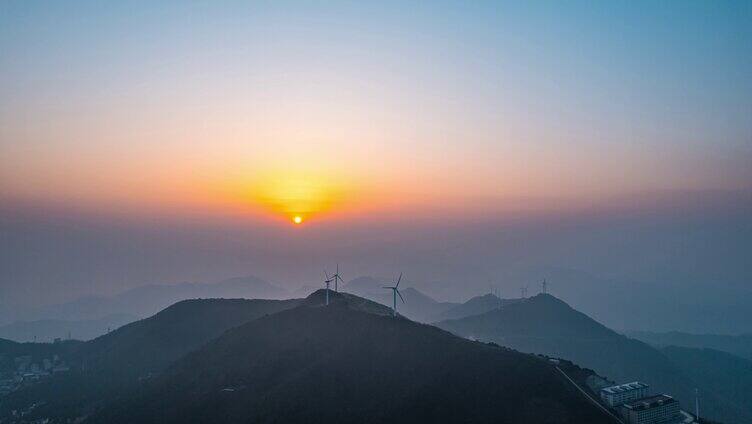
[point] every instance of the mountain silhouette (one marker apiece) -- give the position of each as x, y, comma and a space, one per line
720, 373
47, 330
150, 344
475, 306
110, 365
417, 306
739, 345
147, 300
351, 361
546, 325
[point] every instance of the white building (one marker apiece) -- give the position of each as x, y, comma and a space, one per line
656, 409
617, 395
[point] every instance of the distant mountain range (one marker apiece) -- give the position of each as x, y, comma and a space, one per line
417, 305
147, 300
475, 306
546, 325
153, 351
671, 302
89, 317
602, 298
223, 361
740, 345
47, 330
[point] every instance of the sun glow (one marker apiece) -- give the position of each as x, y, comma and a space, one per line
297, 197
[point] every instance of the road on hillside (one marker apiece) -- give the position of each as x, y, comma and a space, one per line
587, 395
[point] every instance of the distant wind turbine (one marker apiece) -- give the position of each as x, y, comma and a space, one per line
337, 277
544, 286
395, 292
697, 404
327, 281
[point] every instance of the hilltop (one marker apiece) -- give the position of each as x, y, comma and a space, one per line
352, 362
546, 325
107, 367
475, 306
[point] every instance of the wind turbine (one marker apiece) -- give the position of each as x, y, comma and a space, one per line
523, 291
544, 286
395, 292
337, 277
327, 280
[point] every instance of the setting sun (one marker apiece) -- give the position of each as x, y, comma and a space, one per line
296, 196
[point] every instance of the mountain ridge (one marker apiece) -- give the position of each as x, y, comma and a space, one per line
149, 299
546, 325
288, 366
110, 365
739, 345
417, 305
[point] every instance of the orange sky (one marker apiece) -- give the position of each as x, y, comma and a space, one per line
314, 115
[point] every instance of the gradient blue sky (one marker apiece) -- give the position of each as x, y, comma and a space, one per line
168, 104
609, 137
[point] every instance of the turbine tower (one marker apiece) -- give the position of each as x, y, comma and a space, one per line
697, 404
544, 286
395, 292
327, 281
523, 291
337, 277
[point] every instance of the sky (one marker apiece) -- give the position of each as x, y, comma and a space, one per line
365, 119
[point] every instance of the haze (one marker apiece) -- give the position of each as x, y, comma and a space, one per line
605, 147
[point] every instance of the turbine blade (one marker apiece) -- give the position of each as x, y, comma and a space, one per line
398, 280
400, 295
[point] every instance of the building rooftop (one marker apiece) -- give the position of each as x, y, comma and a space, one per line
649, 402
621, 388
